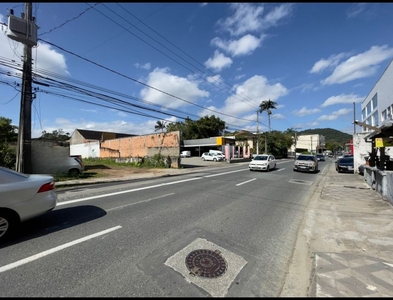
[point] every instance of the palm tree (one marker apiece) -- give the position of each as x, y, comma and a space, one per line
160, 125
267, 105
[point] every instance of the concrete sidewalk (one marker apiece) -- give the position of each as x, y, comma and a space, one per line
348, 232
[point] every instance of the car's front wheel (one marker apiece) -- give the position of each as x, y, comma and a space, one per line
7, 223
214, 159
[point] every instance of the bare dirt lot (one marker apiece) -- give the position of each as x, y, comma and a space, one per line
116, 171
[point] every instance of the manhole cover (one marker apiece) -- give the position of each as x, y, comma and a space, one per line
206, 263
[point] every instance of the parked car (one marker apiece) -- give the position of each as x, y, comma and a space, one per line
211, 156
262, 162
320, 157
345, 165
185, 154
75, 165
23, 197
306, 163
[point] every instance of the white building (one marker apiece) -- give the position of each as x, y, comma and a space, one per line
377, 111
309, 142
377, 107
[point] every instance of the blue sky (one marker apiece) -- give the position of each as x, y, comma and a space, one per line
167, 61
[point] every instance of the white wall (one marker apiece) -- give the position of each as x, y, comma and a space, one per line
86, 150
361, 149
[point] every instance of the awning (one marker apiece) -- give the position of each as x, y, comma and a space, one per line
385, 130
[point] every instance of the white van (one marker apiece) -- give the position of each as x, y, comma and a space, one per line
185, 154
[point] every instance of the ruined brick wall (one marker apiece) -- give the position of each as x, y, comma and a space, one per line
167, 143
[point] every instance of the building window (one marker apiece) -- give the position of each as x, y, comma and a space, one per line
368, 109
389, 113
375, 101
363, 114
374, 119
383, 116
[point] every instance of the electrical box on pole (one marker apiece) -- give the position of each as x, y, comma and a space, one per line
22, 30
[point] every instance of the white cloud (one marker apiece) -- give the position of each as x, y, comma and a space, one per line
304, 111
240, 76
45, 57
245, 102
359, 66
243, 46
334, 115
118, 126
214, 79
342, 99
355, 9
218, 62
249, 17
145, 66
180, 87
323, 64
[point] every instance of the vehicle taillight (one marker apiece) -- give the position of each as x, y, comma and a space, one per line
47, 187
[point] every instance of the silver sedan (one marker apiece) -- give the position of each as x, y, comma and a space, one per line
23, 197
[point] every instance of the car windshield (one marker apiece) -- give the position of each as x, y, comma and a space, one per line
304, 157
260, 157
346, 160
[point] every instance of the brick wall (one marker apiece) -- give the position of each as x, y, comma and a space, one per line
167, 143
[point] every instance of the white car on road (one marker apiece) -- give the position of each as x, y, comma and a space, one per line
22, 197
211, 156
263, 162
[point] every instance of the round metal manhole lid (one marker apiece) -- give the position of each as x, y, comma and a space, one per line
206, 263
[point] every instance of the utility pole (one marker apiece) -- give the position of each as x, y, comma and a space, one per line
23, 154
354, 119
257, 132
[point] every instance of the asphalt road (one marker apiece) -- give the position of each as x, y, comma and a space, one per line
133, 239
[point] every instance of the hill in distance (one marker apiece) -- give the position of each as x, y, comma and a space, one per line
331, 135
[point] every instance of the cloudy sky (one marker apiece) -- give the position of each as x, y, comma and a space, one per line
122, 67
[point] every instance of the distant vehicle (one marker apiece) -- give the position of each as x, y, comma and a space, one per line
320, 157
345, 165
23, 197
306, 163
217, 151
211, 156
185, 154
262, 162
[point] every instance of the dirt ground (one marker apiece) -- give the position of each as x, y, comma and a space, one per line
116, 171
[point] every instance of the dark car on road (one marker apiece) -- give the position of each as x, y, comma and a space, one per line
345, 165
320, 157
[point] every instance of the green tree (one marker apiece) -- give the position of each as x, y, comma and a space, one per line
267, 105
278, 143
203, 128
58, 135
160, 125
8, 138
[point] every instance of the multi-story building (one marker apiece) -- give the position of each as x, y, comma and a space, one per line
377, 107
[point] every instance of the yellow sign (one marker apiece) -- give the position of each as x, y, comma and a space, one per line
220, 141
379, 142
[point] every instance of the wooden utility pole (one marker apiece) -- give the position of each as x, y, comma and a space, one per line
23, 154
